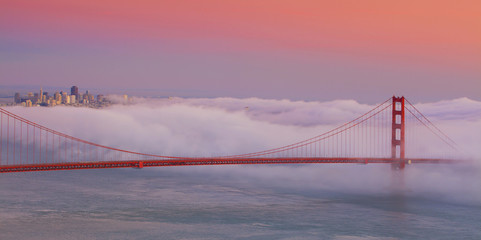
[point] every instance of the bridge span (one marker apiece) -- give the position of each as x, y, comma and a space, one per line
394, 132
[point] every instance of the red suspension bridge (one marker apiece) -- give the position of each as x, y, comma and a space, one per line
394, 132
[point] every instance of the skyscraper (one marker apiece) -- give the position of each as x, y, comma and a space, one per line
41, 96
74, 91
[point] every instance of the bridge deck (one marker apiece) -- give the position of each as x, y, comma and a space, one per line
208, 161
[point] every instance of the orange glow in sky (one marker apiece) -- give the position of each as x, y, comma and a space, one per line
431, 34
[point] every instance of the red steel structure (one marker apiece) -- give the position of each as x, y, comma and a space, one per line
28, 146
398, 132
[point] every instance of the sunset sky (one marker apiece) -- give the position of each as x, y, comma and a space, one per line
303, 49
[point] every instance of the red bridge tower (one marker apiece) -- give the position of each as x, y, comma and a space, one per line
398, 127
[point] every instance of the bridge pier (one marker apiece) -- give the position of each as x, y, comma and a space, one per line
398, 133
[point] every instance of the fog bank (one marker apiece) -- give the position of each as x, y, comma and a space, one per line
222, 126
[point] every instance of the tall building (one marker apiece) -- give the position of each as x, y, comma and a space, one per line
45, 97
100, 98
64, 98
17, 98
57, 97
74, 91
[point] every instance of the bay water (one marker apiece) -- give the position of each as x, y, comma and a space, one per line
222, 202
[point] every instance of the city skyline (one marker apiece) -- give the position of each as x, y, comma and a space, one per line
72, 98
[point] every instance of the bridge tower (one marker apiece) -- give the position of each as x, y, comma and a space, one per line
398, 133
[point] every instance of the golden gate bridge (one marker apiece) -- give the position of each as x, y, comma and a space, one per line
393, 132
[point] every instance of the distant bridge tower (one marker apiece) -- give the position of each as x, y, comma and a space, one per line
398, 143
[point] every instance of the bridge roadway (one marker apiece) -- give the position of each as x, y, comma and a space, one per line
208, 161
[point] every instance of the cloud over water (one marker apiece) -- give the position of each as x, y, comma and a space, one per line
224, 126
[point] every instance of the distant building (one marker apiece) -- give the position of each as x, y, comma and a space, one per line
51, 102
17, 98
89, 97
74, 91
65, 98
57, 97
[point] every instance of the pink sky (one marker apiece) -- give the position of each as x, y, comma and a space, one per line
305, 49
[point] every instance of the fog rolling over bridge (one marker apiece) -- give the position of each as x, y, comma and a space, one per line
393, 132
